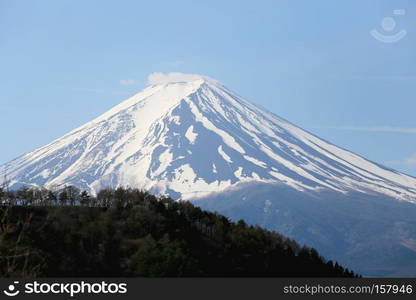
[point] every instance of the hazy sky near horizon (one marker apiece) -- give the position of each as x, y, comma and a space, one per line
313, 63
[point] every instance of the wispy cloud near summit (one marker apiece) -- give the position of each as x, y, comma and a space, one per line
162, 78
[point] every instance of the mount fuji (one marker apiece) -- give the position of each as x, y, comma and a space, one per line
192, 138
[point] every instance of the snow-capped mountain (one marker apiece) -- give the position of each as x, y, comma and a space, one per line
189, 136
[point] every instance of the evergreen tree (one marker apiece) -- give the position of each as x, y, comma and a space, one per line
128, 232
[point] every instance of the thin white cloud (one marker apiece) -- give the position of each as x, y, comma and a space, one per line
374, 128
411, 160
162, 78
383, 77
128, 82
100, 91
175, 63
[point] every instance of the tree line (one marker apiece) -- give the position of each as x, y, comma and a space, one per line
132, 233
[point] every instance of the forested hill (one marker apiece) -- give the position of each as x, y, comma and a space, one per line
127, 232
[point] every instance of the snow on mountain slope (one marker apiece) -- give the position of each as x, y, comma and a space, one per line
193, 136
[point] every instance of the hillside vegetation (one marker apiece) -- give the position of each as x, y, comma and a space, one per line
129, 232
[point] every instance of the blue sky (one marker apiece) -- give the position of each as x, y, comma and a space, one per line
314, 63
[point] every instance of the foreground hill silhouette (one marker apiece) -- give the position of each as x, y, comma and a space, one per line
129, 232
